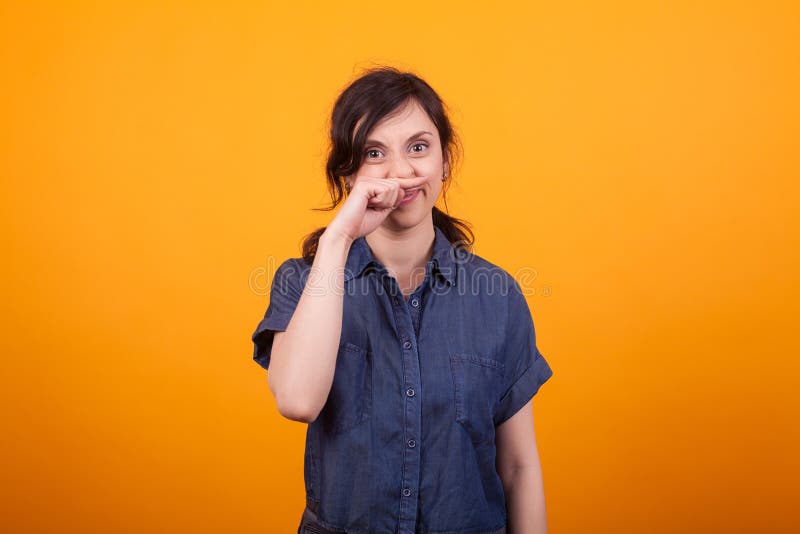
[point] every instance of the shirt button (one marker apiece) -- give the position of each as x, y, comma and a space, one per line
412, 443
406, 492
414, 302
410, 392
407, 345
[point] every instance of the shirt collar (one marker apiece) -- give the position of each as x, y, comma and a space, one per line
360, 257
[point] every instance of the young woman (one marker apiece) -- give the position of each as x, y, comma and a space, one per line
413, 360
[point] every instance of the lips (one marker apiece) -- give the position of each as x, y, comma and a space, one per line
410, 197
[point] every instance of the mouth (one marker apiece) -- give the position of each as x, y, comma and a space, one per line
410, 196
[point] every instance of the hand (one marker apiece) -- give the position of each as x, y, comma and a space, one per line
369, 203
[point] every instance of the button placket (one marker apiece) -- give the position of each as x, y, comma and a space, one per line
405, 316
415, 301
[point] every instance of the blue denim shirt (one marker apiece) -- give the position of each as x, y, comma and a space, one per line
406, 440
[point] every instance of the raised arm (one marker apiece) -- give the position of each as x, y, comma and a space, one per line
303, 358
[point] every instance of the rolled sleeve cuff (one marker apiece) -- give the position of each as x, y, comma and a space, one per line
523, 389
263, 336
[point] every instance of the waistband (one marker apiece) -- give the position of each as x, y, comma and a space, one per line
309, 523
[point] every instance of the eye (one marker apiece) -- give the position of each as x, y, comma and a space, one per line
370, 150
421, 144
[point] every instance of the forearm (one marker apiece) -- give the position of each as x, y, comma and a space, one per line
303, 363
525, 503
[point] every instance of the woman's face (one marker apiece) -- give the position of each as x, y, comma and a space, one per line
405, 145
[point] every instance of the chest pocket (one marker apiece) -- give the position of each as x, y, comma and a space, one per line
350, 400
476, 387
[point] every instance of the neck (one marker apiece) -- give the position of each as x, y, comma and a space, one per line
403, 252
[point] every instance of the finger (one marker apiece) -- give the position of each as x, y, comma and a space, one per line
409, 183
399, 197
389, 192
383, 196
412, 180
393, 193
403, 183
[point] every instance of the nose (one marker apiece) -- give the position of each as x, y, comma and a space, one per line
401, 168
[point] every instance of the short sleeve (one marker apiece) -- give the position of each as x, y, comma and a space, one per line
525, 367
287, 286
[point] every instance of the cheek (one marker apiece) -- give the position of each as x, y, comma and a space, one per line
434, 188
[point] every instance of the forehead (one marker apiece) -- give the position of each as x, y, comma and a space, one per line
402, 122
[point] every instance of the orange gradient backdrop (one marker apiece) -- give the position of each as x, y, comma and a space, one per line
160, 159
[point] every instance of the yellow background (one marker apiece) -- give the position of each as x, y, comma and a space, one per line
159, 160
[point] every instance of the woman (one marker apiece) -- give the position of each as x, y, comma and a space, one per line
413, 360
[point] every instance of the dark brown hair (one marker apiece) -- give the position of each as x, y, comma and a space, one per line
374, 95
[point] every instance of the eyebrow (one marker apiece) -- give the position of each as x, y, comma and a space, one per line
378, 143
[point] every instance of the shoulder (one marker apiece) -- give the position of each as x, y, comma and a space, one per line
479, 275
493, 289
297, 265
292, 272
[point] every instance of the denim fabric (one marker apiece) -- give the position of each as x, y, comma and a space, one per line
310, 524
406, 440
